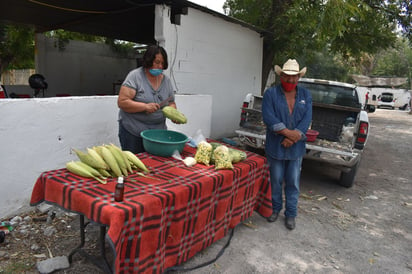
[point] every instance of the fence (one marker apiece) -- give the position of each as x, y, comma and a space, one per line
16, 76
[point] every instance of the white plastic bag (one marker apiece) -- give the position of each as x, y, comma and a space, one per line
195, 140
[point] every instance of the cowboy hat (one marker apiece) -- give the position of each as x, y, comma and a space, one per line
291, 67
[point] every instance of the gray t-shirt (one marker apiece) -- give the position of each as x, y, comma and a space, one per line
139, 121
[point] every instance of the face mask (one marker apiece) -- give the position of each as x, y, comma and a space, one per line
288, 86
155, 72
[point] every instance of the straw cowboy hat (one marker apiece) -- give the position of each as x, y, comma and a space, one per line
291, 67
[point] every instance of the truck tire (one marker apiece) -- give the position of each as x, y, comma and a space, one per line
348, 178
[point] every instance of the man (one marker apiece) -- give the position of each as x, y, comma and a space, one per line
287, 113
366, 99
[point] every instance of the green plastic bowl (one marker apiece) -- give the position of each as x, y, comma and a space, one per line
163, 142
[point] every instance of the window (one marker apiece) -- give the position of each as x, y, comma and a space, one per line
331, 94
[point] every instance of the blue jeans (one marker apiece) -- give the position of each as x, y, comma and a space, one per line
287, 171
129, 141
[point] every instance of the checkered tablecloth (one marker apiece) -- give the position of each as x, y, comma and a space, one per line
165, 221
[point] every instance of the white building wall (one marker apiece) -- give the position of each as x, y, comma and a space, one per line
209, 55
37, 135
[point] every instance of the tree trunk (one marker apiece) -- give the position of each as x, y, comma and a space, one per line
271, 42
267, 62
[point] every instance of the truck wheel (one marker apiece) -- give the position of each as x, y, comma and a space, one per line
348, 178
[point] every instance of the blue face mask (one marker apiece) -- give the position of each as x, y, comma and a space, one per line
155, 72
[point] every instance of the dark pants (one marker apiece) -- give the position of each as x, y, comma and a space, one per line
129, 141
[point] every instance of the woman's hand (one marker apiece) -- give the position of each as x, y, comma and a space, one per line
152, 107
126, 103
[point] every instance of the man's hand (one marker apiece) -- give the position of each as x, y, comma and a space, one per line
287, 142
293, 135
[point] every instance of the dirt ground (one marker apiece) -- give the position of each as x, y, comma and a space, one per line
363, 229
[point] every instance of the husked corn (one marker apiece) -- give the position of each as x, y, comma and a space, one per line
174, 115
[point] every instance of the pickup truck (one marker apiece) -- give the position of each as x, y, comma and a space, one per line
338, 117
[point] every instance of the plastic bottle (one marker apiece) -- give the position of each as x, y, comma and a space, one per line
119, 190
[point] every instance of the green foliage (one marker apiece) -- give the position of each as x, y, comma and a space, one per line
121, 47
394, 61
322, 65
63, 37
16, 47
348, 29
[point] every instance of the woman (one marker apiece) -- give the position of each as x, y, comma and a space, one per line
142, 94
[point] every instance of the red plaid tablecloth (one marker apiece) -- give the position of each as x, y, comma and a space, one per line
165, 221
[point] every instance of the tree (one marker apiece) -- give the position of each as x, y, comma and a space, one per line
16, 47
395, 61
349, 28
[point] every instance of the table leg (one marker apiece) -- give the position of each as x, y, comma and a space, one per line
101, 262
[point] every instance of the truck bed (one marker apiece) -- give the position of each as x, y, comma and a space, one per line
329, 120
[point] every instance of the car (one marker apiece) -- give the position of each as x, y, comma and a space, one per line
339, 121
386, 100
3, 93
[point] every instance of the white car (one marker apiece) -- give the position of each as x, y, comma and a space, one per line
386, 100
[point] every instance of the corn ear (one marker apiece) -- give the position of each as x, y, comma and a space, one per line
88, 159
77, 169
111, 161
112, 174
98, 149
135, 160
104, 172
174, 115
92, 170
119, 159
125, 160
237, 155
97, 157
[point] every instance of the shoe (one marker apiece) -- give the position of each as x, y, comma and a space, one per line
273, 217
290, 223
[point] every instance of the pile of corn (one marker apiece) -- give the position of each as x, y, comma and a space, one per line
101, 162
218, 154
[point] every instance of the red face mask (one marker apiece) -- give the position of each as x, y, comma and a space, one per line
288, 86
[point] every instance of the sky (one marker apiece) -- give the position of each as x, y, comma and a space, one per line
215, 5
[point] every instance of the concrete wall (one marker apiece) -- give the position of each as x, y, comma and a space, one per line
82, 68
37, 135
402, 96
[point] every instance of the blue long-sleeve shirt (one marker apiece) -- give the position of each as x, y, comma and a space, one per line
276, 116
